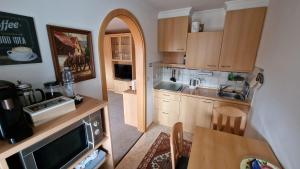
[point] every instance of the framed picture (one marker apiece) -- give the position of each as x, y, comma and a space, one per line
72, 48
18, 40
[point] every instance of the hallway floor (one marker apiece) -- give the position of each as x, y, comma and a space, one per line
123, 136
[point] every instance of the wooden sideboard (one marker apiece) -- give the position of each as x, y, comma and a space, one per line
87, 107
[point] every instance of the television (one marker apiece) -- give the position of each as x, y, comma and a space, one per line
123, 71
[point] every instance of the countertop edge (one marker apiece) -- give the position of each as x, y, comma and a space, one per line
206, 97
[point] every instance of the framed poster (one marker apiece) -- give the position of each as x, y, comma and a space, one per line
72, 48
18, 40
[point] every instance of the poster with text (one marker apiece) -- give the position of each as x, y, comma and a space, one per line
18, 40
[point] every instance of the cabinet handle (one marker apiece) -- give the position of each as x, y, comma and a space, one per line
225, 66
206, 101
179, 49
211, 65
164, 112
165, 101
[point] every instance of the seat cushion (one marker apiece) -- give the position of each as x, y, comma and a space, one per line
182, 163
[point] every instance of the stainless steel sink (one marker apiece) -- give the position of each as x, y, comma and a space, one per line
169, 86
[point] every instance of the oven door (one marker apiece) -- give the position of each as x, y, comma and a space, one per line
61, 149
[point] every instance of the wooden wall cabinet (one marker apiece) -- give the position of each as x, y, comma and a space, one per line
195, 112
203, 50
242, 34
172, 34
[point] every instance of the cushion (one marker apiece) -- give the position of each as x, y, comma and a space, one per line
182, 163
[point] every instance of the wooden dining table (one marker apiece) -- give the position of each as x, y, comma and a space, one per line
219, 150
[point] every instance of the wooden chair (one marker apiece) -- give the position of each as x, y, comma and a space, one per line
176, 143
229, 119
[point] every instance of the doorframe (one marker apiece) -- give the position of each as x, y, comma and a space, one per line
140, 59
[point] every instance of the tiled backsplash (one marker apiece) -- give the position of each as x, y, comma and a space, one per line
209, 79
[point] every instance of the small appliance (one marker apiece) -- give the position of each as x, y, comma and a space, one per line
52, 90
67, 146
45, 111
27, 95
13, 124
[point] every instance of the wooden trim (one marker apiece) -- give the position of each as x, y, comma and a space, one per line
140, 59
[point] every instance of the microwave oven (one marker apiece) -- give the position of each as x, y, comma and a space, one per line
63, 148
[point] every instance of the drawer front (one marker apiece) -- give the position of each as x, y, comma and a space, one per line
167, 111
167, 95
163, 118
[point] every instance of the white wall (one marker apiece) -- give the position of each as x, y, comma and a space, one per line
276, 110
213, 19
82, 15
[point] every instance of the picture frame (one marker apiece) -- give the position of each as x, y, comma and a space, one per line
72, 48
18, 40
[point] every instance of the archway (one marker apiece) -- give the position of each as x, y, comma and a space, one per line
140, 60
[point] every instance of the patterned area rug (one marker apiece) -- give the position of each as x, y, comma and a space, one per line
158, 157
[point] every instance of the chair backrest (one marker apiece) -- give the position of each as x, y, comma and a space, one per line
176, 143
229, 119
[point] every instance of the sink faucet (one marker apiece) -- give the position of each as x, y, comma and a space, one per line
222, 87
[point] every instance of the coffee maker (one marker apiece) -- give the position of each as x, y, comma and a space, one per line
13, 124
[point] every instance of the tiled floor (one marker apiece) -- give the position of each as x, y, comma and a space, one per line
139, 150
123, 136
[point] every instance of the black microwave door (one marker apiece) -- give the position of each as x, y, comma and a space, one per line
60, 151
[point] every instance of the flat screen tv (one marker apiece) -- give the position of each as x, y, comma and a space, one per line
123, 71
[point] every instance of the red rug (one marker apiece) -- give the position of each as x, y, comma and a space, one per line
158, 157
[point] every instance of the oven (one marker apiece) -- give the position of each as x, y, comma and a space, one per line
63, 148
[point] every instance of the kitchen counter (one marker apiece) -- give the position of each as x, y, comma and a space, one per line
210, 94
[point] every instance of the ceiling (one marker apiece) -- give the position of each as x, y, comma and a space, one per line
198, 5
116, 25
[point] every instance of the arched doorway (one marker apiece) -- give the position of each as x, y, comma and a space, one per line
140, 53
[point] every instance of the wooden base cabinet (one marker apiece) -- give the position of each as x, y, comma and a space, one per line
166, 108
130, 108
195, 112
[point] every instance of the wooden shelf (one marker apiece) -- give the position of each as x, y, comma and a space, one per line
172, 65
87, 107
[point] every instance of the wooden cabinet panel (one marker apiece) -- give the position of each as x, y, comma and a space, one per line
166, 106
130, 108
195, 112
172, 34
204, 113
108, 63
203, 50
242, 34
167, 95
